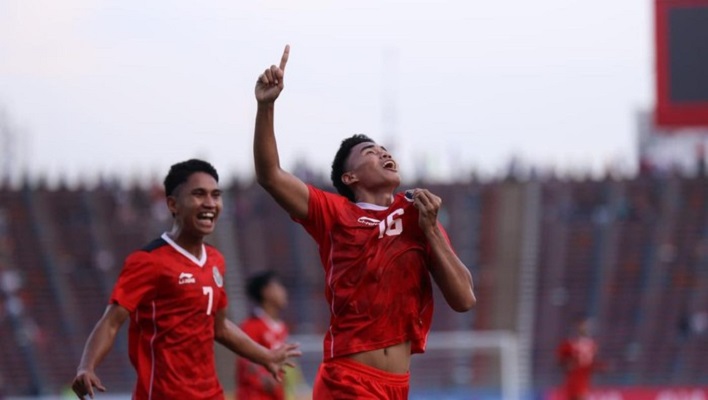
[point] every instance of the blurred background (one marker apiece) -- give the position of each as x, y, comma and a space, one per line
566, 138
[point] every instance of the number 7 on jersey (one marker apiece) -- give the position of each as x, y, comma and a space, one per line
209, 291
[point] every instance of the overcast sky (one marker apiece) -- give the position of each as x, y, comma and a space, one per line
130, 87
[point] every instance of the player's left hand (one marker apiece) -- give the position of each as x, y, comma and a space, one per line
428, 206
281, 357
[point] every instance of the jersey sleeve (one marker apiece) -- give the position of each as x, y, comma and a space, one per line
138, 280
322, 210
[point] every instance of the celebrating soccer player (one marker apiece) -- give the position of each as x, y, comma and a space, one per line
378, 249
173, 292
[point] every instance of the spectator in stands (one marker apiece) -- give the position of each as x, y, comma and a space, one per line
173, 292
379, 249
266, 327
577, 356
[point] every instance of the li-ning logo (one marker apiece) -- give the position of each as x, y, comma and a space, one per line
185, 278
368, 221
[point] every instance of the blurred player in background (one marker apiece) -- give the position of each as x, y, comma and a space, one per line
378, 250
253, 382
173, 292
577, 355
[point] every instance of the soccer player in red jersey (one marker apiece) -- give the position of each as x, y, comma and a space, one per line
253, 382
173, 292
378, 249
577, 356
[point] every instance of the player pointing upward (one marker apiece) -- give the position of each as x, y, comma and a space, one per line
378, 249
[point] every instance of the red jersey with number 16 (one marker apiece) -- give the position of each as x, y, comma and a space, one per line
172, 297
376, 273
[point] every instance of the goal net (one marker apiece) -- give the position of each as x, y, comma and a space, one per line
456, 365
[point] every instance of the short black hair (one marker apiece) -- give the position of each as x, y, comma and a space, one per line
256, 283
180, 172
340, 159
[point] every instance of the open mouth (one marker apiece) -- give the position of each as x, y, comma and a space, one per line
390, 165
206, 216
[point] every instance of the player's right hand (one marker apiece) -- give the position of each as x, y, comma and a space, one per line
84, 383
280, 357
270, 82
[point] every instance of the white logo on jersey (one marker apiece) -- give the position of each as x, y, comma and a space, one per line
368, 221
186, 277
218, 279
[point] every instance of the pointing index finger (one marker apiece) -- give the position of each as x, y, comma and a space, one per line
284, 58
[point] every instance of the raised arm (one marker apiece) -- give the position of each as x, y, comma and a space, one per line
236, 340
449, 272
99, 342
287, 189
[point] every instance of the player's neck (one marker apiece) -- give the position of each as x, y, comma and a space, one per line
271, 311
380, 198
191, 243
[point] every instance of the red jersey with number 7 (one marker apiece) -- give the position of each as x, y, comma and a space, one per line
376, 272
172, 297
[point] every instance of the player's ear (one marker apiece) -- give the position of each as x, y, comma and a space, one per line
172, 204
349, 177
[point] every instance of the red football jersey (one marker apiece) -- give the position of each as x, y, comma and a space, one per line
376, 273
578, 354
254, 381
172, 297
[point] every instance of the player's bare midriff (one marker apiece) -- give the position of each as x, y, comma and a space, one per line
395, 359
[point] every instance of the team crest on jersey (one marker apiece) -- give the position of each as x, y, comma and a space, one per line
368, 221
218, 279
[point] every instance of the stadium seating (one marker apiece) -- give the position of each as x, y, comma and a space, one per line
631, 253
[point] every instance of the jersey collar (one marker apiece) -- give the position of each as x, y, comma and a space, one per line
374, 207
274, 325
369, 206
199, 261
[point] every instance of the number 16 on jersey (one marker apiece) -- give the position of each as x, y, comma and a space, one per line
391, 226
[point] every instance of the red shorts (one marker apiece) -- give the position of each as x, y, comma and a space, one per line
342, 379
